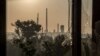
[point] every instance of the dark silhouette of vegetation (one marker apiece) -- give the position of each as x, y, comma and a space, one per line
86, 49
55, 48
31, 45
59, 49
26, 31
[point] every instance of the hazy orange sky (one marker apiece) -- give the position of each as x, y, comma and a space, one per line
28, 9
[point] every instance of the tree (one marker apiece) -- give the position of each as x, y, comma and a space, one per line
59, 49
55, 48
26, 31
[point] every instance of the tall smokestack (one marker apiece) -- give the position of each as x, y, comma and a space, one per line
46, 20
37, 18
69, 17
57, 27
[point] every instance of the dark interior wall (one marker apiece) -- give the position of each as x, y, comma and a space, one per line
2, 28
95, 15
96, 11
95, 18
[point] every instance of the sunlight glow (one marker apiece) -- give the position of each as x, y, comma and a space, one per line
30, 1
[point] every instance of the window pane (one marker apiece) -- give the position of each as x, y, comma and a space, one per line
86, 27
39, 27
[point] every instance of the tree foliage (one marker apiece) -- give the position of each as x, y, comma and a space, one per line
27, 31
27, 28
55, 48
32, 46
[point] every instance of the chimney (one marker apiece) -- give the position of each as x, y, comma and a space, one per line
37, 18
57, 27
46, 20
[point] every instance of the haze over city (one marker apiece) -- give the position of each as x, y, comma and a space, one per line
57, 13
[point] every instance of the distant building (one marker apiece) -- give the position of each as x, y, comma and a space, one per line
62, 28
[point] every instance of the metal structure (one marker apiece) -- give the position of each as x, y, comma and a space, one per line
37, 18
46, 20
